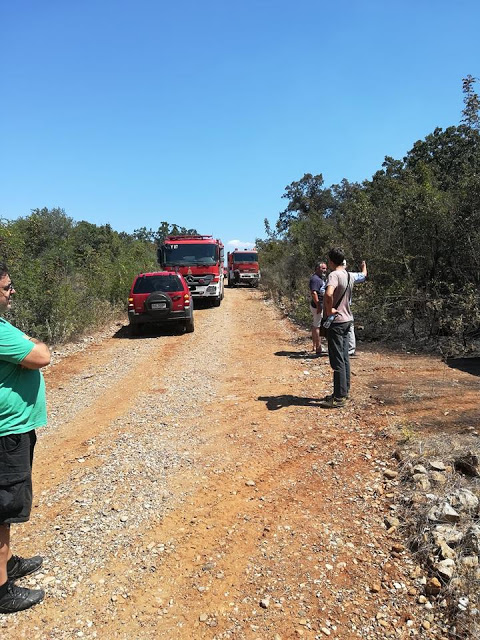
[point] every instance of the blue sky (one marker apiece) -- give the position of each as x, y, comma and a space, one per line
200, 113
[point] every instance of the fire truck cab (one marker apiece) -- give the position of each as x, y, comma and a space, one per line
200, 261
243, 267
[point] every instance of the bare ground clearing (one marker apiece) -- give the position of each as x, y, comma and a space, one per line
189, 486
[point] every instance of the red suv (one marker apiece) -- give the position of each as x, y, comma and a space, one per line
160, 297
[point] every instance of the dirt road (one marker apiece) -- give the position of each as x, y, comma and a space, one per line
189, 486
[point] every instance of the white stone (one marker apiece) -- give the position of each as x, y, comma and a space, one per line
449, 535
445, 567
437, 465
419, 468
443, 513
464, 499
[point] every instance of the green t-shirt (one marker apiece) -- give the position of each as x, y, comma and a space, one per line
22, 391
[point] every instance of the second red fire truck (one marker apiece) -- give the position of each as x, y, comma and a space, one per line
243, 267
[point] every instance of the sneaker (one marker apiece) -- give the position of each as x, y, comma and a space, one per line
329, 398
330, 402
17, 598
23, 566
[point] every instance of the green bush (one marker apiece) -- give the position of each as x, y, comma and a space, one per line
69, 276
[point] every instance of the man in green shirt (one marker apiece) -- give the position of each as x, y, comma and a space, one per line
22, 410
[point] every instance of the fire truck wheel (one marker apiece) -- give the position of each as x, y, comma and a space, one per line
216, 302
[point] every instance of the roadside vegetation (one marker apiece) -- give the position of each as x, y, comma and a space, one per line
416, 223
72, 276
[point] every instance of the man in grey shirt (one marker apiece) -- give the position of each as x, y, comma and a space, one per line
338, 293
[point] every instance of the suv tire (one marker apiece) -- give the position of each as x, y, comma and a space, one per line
158, 297
189, 325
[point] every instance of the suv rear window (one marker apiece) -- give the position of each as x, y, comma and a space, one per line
148, 284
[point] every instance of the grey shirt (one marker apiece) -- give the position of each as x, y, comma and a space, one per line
338, 280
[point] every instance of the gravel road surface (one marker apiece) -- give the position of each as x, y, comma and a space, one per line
189, 486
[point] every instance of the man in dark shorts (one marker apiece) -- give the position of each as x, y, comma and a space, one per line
317, 289
22, 410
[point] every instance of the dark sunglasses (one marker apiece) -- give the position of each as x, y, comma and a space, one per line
9, 287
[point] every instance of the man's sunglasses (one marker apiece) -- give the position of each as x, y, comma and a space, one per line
9, 287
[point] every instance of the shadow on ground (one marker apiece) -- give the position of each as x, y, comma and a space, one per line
149, 331
279, 402
468, 365
299, 355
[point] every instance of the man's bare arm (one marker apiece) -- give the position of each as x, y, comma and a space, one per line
316, 301
38, 357
328, 301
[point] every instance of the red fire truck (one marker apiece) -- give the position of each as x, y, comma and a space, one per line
200, 261
243, 267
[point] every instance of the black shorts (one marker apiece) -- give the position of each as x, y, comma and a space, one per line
16, 457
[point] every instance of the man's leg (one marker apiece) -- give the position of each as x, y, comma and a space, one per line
336, 334
316, 320
16, 454
5, 552
319, 323
12, 597
17, 566
352, 343
346, 357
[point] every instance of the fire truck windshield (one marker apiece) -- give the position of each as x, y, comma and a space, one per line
184, 254
245, 257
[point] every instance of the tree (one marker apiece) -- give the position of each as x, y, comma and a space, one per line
307, 196
158, 236
471, 100
417, 222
